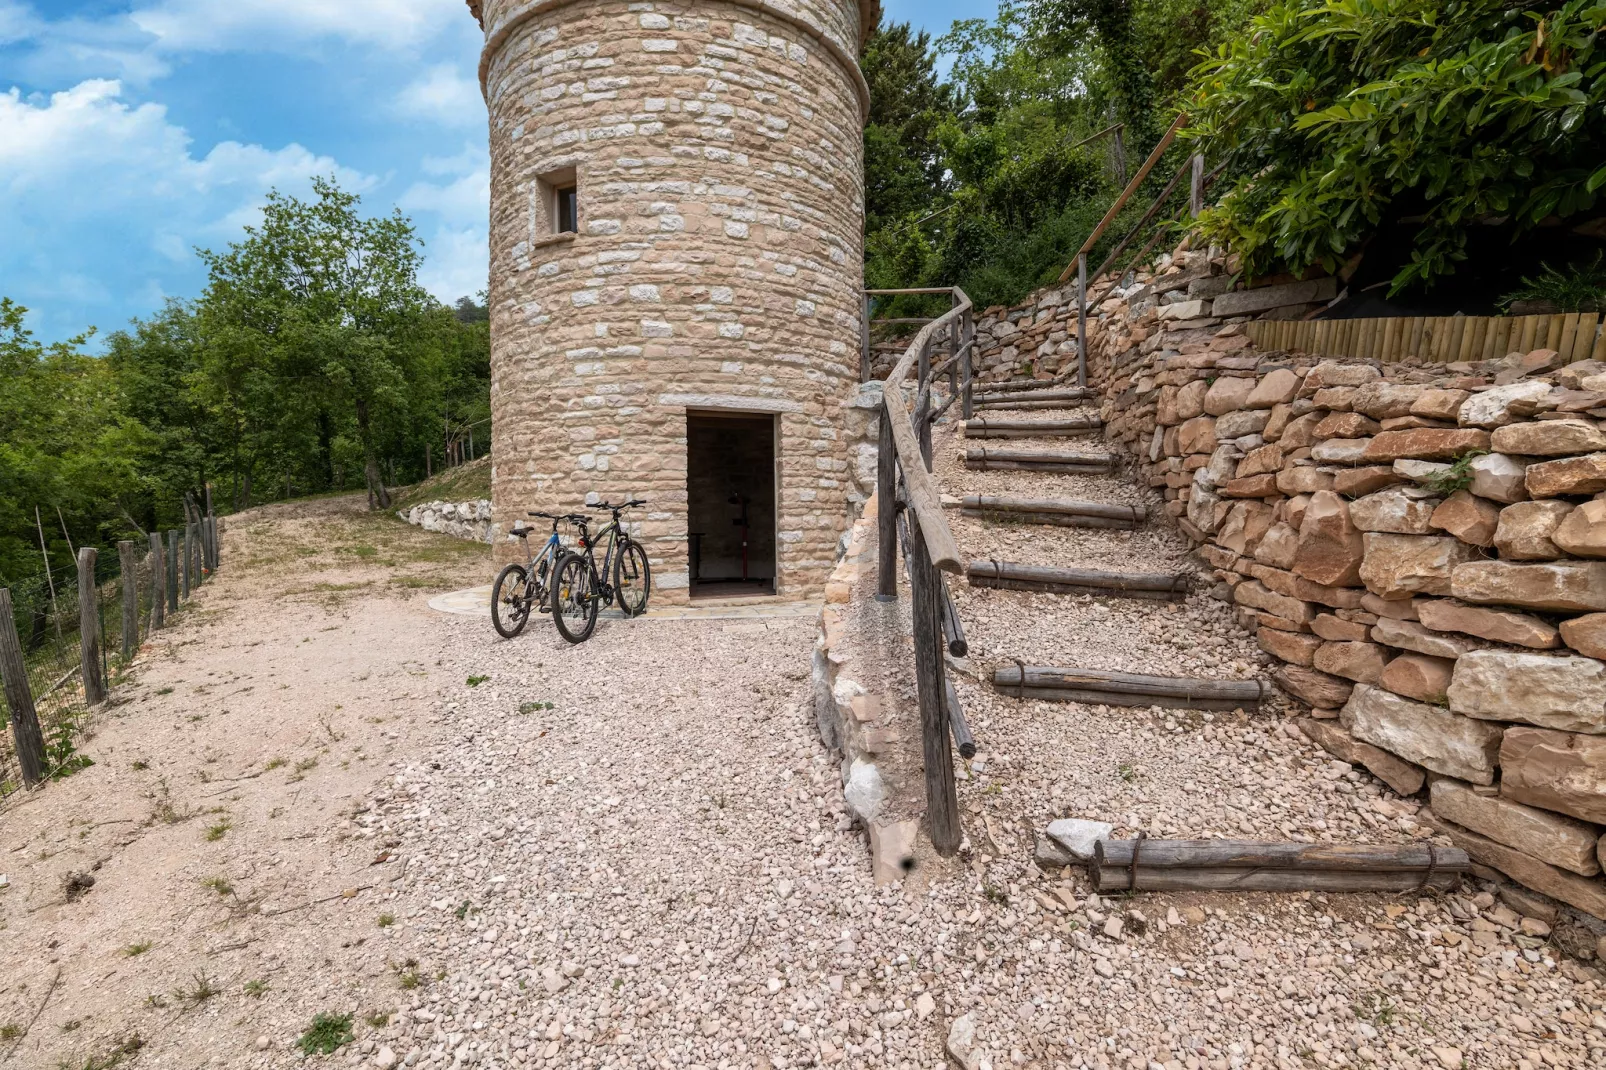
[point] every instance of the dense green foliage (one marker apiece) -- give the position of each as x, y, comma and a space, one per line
312, 362
1340, 117
987, 179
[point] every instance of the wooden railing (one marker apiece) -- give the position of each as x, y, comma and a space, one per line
1440, 339
909, 503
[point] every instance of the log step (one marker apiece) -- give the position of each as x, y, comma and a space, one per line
1063, 513
1018, 386
1011, 576
1032, 397
1129, 689
983, 459
1242, 865
985, 427
1029, 405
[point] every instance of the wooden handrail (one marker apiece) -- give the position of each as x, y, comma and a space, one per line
1126, 194
924, 497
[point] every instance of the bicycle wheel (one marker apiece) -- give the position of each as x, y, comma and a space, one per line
510, 601
574, 599
632, 579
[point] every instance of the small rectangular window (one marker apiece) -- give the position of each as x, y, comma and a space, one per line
567, 216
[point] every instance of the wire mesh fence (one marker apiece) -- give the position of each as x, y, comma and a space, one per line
53, 673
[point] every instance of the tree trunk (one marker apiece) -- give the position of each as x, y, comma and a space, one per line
378, 496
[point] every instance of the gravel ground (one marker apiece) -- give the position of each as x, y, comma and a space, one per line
636, 853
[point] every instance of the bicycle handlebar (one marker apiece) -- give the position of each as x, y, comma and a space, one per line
615, 508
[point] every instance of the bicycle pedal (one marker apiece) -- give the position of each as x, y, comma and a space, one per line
545, 609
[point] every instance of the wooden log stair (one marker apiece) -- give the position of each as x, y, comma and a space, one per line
988, 427
983, 458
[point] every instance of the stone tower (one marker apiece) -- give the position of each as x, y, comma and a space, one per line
676, 228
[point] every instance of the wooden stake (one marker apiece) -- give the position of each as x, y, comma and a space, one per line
942, 800
25, 731
158, 583
130, 566
89, 628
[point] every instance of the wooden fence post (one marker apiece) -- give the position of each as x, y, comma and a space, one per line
158, 583
130, 564
865, 371
191, 580
19, 697
1081, 319
923, 404
89, 627
942, 799
172, 572
887, 512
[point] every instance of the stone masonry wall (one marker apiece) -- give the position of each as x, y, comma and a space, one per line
461, 520
1423, 546
718, 263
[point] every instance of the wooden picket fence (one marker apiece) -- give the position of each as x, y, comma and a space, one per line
1439, 339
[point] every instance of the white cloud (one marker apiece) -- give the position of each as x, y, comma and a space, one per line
103, 199
212, 25
444, 95
456, 252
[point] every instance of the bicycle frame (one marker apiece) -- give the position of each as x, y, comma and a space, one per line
588, 544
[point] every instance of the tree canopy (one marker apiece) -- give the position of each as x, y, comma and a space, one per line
312, 361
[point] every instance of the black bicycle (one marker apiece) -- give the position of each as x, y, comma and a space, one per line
519, 587
580, 589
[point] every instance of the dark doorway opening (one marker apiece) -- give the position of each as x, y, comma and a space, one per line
730, 503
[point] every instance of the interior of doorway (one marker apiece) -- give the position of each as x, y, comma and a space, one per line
730, 503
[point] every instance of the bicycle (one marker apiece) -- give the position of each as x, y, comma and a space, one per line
580, 589
518, 587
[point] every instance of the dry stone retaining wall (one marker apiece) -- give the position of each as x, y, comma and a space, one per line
717, 266
1423, 546
461, 520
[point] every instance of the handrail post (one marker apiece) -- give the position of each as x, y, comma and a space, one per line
923, 404
89, 627
967, 404
953, 350
1081, 319
887, 512
130, 566
1196, 187
864, 339
942, 800
19, 696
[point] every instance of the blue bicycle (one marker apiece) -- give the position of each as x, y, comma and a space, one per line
518, 587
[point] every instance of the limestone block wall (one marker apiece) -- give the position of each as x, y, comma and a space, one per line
461, 520
717, 265
1423, 546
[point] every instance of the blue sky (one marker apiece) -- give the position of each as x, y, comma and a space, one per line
132, 131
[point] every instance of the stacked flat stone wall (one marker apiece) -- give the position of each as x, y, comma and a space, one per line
717, 266
1423, 546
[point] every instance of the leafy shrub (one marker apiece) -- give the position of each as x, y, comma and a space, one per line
1580, 288
1336, 116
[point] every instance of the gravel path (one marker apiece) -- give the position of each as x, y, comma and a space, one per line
636, 853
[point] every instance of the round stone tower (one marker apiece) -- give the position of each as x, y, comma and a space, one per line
677, 204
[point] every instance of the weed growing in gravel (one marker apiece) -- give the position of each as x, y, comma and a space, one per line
327, 1034
164, 691
995, 895
275, 763
71, 1026
140, 766
137, 949
255, 989
219, 885
387, 920
475, 681
378, 1019
201, 989
462, 909
533, 707
156, 1000
10, 1031
216, 832
1127, 772
110, 1060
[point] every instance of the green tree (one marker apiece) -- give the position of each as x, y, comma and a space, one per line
903, 162
330, 301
